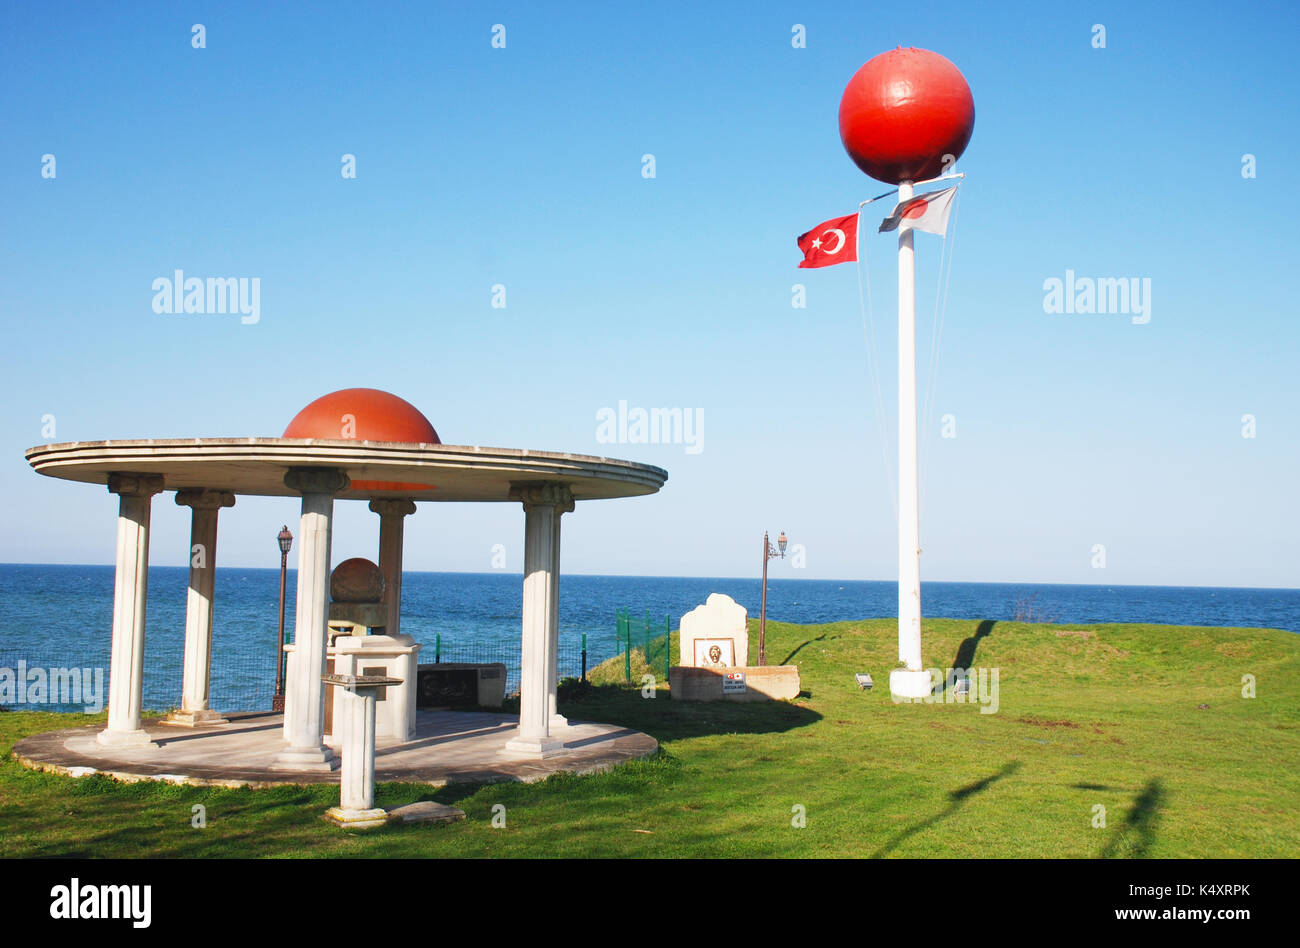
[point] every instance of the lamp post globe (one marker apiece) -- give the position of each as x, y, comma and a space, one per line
284, 539
769, 552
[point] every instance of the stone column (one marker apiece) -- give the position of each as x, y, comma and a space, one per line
304, 719
130, 590
205, 505
556, 719
543, 506
391, 522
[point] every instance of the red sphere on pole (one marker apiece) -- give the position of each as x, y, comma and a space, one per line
903, 113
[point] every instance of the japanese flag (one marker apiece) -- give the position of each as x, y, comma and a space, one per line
927, 212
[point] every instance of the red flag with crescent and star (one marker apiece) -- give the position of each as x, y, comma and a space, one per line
831, 242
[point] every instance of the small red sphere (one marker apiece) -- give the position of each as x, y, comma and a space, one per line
903, 112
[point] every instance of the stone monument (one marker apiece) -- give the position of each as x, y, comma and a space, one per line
714, 656
359, 620
715, 634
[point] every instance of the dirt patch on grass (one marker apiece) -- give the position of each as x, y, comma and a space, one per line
1041, 722
1097, 729
1233, 649
1084, 643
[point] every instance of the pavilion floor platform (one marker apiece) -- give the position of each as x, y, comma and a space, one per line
449, 747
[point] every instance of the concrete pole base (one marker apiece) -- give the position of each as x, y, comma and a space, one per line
905, 683
203, 718
356, 819
137, 738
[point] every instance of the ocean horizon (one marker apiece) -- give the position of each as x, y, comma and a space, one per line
59, 615
504, 572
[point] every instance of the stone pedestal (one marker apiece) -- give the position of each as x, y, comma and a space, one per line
393, 656
130, 590
356, 808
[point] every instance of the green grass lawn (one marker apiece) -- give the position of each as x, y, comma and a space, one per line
1146, 721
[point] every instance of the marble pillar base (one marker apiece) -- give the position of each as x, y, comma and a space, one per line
538, 747
356, 819
300, 759
201, 718
558, 720
137, 738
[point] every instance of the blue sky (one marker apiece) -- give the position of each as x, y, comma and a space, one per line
522, 166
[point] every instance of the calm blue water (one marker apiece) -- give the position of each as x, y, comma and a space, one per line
60, 616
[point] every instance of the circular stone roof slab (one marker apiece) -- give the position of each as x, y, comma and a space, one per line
440, 472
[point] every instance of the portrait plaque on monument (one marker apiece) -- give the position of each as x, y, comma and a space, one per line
715, 635
714, 652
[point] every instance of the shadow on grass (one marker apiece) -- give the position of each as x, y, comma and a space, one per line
96, 816
958, 797
801, 647
667, 720
966, 651
1134, 838
965, 658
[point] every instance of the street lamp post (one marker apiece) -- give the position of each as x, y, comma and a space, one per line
285, 539
769, 552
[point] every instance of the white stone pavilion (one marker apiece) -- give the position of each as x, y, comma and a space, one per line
356, 444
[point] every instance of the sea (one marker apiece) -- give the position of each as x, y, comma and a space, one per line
61, 616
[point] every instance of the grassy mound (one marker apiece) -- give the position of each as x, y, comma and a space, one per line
1144, 724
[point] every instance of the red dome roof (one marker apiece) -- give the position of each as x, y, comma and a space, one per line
362, 414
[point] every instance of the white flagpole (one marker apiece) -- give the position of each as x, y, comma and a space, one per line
911, 681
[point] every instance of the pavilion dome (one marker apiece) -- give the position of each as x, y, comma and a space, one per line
362, 414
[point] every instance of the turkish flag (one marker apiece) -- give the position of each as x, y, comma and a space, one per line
834, 241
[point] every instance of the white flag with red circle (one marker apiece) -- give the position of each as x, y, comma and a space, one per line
927, 212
